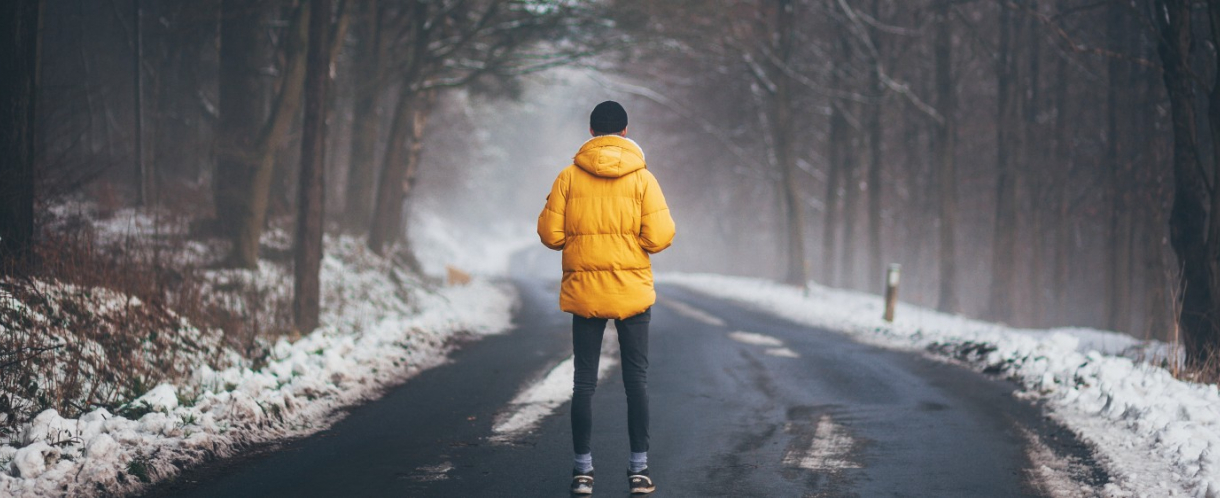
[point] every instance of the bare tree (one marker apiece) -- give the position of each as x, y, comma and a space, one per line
145, 179
18, 85
452, 44
252, 186
369, 57
1036, 199
1115, 280
310, 208
1188, 220
875, 161
835, 169
1003, 248
781, 127
241, 112
946, 149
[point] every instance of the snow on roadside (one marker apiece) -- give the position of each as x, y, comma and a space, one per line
379, 327
1157, 436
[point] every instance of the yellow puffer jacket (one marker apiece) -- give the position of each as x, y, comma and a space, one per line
606, 213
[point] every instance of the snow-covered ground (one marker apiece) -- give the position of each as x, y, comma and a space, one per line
1156, 435
379, 326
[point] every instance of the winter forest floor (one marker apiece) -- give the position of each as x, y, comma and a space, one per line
105, 391
152, 358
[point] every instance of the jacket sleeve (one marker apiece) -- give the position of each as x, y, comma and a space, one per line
551, 220
656, 224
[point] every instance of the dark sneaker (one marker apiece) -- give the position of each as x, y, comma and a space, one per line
640, 483
582, 483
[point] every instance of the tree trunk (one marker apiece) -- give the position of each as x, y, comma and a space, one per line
1037, 315
1059, 195
399, 168
310, 204
144, 183
1003, 247
1113, 194
283, 111
414, 153
843, 154
19, 55
1160, 311
339, 99
874, 168
88, 82
851, 188
1212, 339
168, 90
782, 131
241, 114
1038, 192
409, 120
946, 145
388, 203
362, 168
1188, 216
851, 191
838, 139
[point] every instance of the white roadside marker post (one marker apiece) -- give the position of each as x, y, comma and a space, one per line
891, 291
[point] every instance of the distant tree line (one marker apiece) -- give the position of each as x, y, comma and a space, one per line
1035, 162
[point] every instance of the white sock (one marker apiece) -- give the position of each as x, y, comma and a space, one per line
584, 463
639, 461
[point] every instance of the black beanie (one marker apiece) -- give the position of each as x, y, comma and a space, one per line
608, 117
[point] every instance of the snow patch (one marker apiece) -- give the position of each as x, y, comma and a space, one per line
540, 398
431, 473
162, 398
693, 312
829, 450
775, 347
33, 460
782, 353
755, 339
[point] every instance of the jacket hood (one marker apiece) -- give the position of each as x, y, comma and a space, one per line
610, 156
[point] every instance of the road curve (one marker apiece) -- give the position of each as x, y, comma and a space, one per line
743, 404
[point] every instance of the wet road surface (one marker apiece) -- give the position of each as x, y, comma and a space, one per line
743, 404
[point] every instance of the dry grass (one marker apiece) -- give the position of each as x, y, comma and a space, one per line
94, 322
1173, 359
1208, 372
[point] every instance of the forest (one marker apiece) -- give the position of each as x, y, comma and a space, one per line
1039, 163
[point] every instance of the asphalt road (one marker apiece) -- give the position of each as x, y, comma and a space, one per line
743, 404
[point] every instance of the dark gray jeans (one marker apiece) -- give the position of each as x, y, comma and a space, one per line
586, 350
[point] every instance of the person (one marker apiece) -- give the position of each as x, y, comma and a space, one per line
606, 213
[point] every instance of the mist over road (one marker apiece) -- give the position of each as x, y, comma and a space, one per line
743, 404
